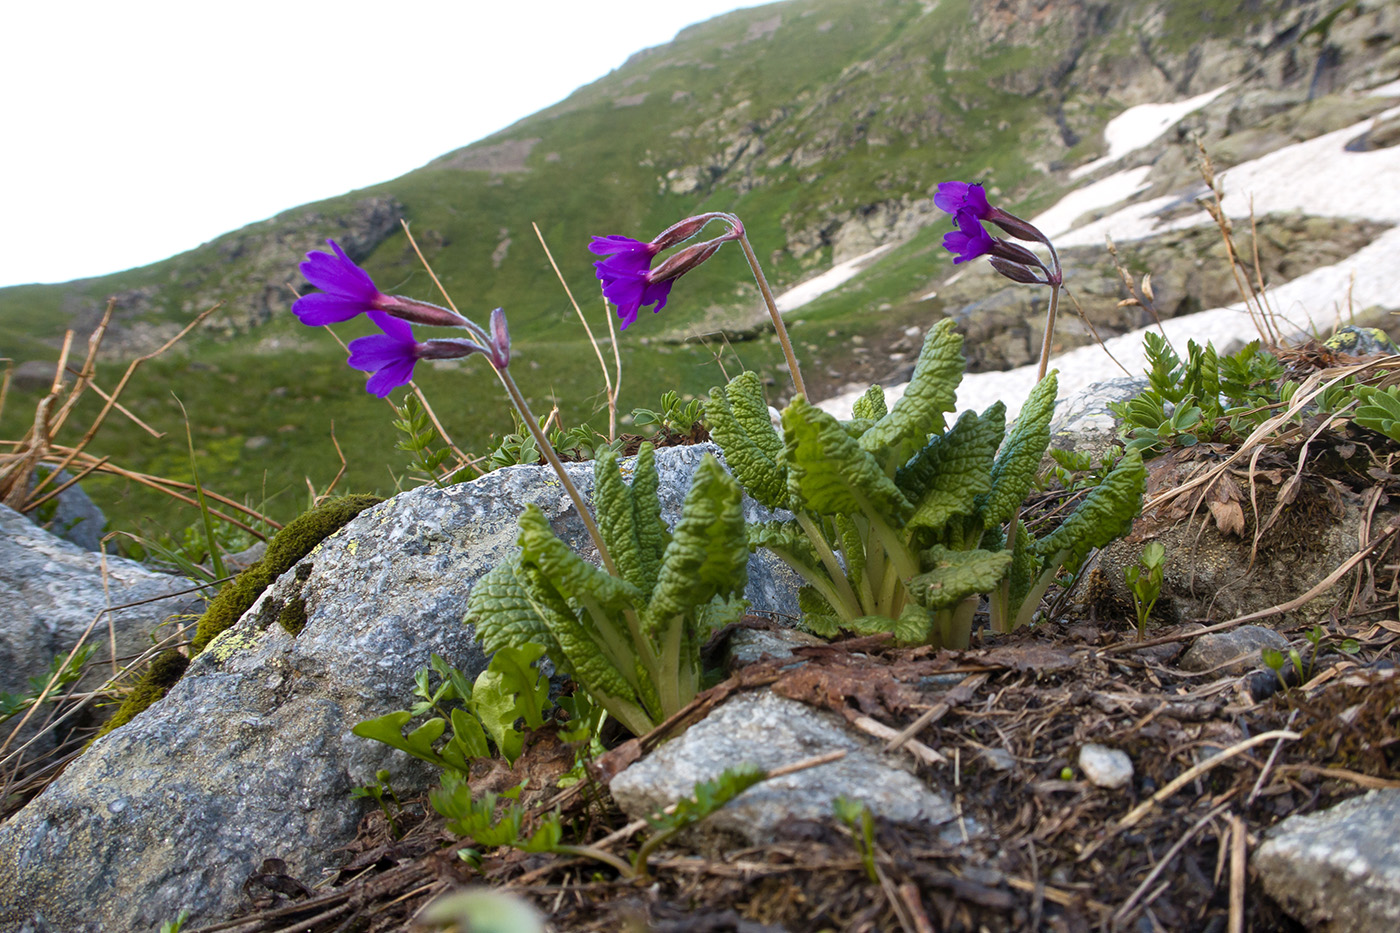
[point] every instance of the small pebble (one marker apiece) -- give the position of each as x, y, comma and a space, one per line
1105, 767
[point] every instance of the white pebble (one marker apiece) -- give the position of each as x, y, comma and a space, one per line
1105, 767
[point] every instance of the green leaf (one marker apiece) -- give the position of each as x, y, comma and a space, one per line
708, 554
570, 574
953, 470
871, 405
708, 797
1015, 467
787, 540
511, 605
830, 474
931, 393
817, 615
738, 419
629, 517
955, 575
468, 736
852, 547
512, 676
389, 730
914, 626
1106, 513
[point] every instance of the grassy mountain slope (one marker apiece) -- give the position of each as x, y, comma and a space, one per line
825, 124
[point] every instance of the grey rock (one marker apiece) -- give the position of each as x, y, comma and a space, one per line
1338, 870
52, 591
1083, 421
250, 755
1105, 767
1234, 651
749, 646
72, 515
771, 731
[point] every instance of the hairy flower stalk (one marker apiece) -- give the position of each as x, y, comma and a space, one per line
347, 291
969, 206
631, 283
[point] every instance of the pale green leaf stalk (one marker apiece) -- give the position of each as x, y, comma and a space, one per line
632, 640
899, 523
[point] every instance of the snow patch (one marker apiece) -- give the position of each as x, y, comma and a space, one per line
1317, 177
810, 290
1138, 126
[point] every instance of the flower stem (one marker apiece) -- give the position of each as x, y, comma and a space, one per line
1049, 329
518, 400
793, 370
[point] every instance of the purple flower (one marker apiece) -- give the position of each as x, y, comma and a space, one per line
970, 240
958, 196
390, 355
626, 275
346, 290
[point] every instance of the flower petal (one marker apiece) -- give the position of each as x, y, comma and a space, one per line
389, 378
321, 308
613, 243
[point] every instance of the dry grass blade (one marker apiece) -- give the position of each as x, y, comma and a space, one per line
1189, 775
1122, 913
597, 350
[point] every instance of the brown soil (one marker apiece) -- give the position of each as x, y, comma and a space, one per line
1058, 854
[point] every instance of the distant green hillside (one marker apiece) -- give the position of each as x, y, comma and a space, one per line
824, 124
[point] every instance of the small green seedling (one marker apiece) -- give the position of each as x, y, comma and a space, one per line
858, 819
377, 792
1145, 582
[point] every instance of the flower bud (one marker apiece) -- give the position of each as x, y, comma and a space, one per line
418, 312
678, 233
1015, 272
500, 340
1020, 229
682, 262
450, 348
1015, 252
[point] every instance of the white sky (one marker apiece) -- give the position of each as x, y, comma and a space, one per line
138, 129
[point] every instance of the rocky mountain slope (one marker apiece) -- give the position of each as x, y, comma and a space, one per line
826, 125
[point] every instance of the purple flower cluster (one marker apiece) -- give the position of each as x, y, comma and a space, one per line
347, 291
628, 279
969, 206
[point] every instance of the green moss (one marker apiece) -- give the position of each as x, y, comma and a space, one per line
290, 545
165, 671
293, 616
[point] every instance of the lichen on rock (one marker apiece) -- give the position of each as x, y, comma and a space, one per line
290, 545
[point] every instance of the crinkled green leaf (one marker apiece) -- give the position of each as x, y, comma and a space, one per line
570, 574
817, 615
953, 470
931, 393
709, 551
871, 405
829, 473
914, 626
1025, 565
718, 613
1106, 513
870, 625
954, 575
852, 547
786, 539
629, 517
512, 604
739, 423
1016, 466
